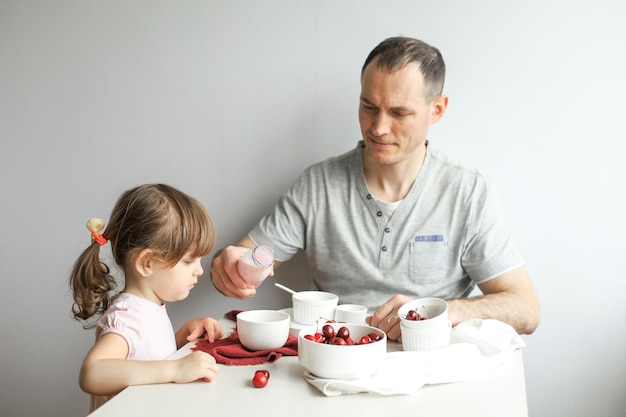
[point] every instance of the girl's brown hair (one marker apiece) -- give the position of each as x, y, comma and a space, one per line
152, 216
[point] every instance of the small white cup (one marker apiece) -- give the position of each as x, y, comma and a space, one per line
310, 306
350, 313
426, 334
415, 338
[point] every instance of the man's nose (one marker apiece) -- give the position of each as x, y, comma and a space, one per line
381, 125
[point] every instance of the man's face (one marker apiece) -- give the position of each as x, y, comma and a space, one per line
394, 114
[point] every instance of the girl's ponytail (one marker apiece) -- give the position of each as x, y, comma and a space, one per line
90, 281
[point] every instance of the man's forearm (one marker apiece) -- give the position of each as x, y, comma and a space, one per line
519, 310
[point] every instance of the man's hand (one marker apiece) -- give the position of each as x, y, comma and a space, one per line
225, 276
386, 316
510, 298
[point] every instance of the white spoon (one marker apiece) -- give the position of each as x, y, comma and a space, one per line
282, 287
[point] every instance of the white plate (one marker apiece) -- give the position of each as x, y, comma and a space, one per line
294, 326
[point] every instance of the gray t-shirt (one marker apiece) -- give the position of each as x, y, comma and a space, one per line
447, 235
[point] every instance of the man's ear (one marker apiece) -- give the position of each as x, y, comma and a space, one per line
438, 108
144, 262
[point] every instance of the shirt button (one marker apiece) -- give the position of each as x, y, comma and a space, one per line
384, 248
369, 196
380, 213
386, 230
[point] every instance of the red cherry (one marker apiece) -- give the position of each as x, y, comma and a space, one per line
316, 337
261, 378
328, 331
374, 337
337, 341
343, 332
411, 315
365, 340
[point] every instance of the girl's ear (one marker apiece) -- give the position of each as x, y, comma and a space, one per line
144, 263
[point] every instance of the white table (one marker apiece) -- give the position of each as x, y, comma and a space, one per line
501, 393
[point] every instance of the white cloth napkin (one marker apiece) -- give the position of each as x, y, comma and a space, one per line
477, 346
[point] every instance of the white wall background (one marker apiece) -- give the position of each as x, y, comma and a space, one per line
231, 100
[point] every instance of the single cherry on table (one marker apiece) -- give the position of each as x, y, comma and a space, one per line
261, 378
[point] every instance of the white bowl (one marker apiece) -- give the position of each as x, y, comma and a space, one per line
294, 326
342, 361
263, 329
310, 306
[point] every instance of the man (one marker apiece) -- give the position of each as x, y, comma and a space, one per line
395, 219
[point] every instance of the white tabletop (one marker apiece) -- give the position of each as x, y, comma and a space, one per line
501, 393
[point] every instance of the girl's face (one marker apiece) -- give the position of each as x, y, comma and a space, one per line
174, 284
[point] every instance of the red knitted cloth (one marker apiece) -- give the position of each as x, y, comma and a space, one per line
229, 351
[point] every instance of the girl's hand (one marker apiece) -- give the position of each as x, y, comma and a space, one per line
198, 327
195, 366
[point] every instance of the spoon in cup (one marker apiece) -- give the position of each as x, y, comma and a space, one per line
282, 287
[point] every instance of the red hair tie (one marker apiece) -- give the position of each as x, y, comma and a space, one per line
99, 238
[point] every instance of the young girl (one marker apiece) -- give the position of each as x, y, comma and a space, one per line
158, 235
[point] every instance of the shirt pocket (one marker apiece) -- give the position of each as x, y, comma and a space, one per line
429, 261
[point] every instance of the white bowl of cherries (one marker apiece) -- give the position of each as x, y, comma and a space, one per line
342, 350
